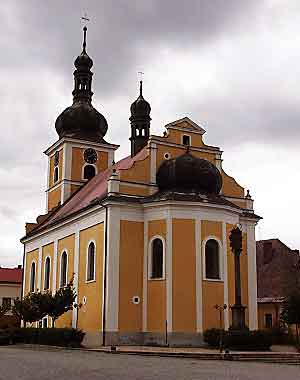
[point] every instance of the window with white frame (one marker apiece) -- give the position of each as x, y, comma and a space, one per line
212, 260
63, 269
47, 274
157, 259
91, 262
32, 278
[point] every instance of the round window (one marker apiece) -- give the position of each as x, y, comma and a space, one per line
167, 156
136, 300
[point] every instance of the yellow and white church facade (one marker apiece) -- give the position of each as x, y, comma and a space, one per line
146, 238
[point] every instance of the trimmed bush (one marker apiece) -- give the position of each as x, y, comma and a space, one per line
212, 337
64, 337
248, 340
239, 340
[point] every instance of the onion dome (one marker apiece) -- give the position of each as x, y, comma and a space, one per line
187, 173
140, 107
81, 120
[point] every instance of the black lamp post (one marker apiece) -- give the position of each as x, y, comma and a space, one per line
221, 309
237, 310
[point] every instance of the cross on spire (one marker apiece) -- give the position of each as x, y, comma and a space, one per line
85, 20
140, 73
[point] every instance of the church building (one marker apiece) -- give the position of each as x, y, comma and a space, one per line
146, 238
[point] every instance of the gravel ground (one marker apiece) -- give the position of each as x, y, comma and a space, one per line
44, 364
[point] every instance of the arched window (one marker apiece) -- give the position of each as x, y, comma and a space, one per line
55, 177
212, 260
157, 259
89, 172
47, 274
91, 262
32, 278
63, 269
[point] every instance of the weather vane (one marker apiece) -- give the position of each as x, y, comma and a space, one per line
140, 73
85, 18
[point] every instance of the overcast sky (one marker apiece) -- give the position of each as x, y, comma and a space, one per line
231, 66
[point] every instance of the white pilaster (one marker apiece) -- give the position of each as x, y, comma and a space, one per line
169, 271
39, 282
153, 151
54, 269
145, 276
225, 276
76, 275
112, 284
199, 298
252, 278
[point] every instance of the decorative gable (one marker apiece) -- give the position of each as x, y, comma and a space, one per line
186, 124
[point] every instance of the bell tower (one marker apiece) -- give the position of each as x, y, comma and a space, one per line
140, 123
81, 151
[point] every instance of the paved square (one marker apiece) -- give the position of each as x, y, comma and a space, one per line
33, 364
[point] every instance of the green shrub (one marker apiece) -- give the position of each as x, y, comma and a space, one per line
248, 340
65, 337
212, 337
244, 340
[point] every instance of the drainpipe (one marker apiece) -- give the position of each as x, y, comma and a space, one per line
105, 276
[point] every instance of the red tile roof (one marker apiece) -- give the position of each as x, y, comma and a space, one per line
11, 275
96, 188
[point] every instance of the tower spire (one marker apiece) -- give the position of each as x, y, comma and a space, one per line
84, 38
140, 122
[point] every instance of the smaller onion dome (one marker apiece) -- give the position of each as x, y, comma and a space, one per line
83, 61
140, 107
188, 173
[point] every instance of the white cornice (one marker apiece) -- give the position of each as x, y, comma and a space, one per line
80, 144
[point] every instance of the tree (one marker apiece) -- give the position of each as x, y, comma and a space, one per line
61, 302
32, 307
291, 312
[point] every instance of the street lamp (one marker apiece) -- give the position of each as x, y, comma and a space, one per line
221, 309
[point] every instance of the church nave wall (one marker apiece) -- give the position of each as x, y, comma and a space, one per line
90, 292
184, 276
156, 294
131, 276
65, 245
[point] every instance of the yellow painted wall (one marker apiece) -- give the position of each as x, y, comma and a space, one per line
90, 314
31, 256
47, 250
156, 307
131, 275
78, 162
178, 151
267, 308
54, 197
175, 136
67, 244
134, 190
139, 172
212, 291
184, 275
230, 187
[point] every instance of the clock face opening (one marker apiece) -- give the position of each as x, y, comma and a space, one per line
90, 156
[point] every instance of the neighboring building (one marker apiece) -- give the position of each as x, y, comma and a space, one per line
10, 289
147, 238
278, 275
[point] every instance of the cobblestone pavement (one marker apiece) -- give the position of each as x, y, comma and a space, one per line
45, 364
